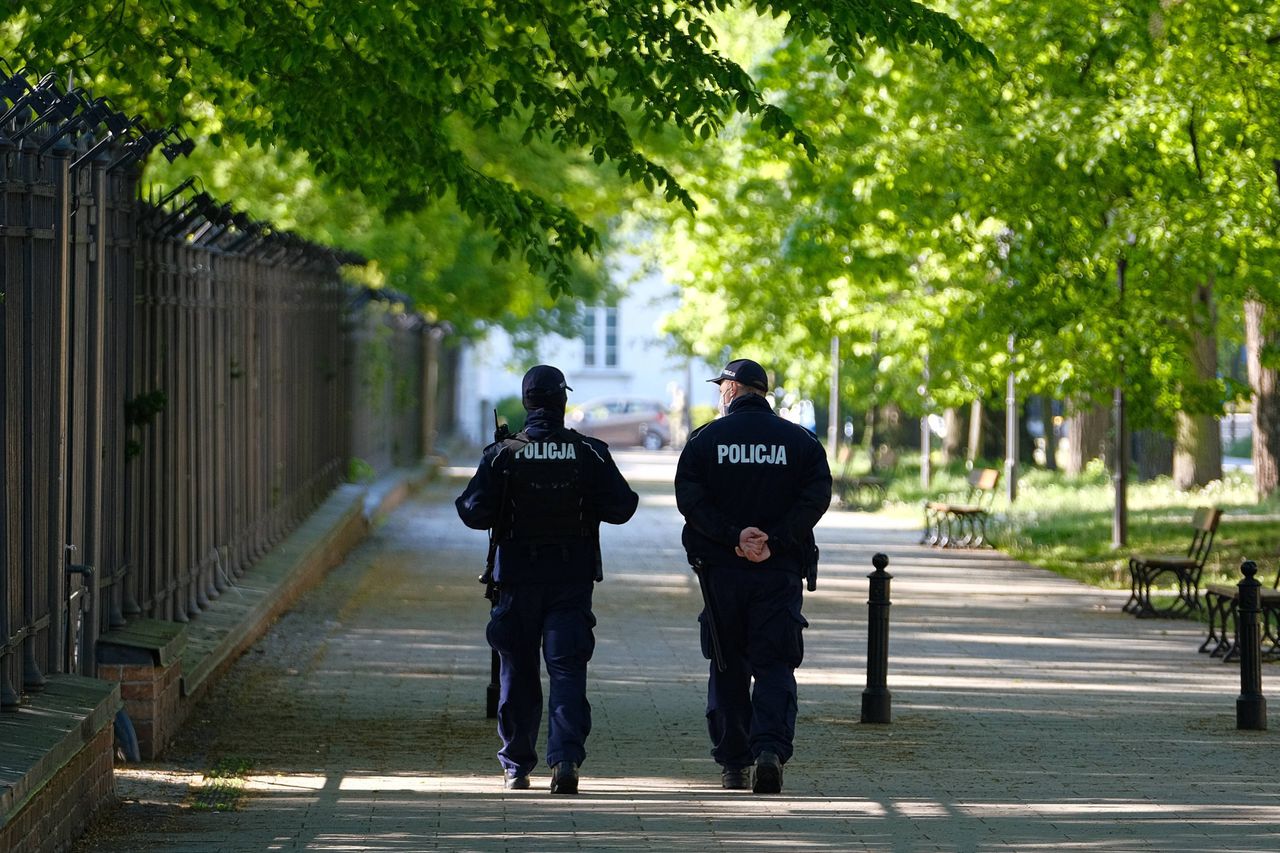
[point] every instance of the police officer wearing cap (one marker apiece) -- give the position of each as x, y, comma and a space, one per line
751, 486
544, 493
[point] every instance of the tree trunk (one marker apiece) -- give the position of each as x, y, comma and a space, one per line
895, 429
1086, 437
952, 435
992, 445
869, 435
1050, 434
1265, 382
1197, 447
1197, 451
1152, 454
1026, 442
975, 432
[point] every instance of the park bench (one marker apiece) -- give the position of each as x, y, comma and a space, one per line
962, 522
1145, 569
863, 491
1222, 601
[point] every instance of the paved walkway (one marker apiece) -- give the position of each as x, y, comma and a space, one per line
1029, 714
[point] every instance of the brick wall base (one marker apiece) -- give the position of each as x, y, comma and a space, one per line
145, 658
63, 808
46, 804
151, 696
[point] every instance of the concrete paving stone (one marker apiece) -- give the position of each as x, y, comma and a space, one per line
1029, 714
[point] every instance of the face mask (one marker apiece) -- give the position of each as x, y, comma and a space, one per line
725, 398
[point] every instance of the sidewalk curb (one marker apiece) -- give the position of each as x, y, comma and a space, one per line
242, 614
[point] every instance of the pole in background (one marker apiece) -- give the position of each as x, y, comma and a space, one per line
975, 433
687, 414
876, 700
431, 388
1251, 705
1120, 463
926, 443
833, 414
1011, 429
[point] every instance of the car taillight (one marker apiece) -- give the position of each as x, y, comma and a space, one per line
662, 417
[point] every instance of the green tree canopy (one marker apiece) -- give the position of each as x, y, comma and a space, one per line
954, 207
412, 103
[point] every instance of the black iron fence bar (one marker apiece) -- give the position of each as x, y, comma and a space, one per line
238, 414
12, 234
206, 355
44, 647
118, 244
168, 473
76, 454
140, 476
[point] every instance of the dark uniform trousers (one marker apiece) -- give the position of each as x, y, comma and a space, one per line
757, 612
555, 619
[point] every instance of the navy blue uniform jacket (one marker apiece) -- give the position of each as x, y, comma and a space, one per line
752, 468
606, 497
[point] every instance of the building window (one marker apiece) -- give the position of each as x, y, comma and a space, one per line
589, 338
600, 337
611, 337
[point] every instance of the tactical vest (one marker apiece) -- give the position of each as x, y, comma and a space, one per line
545, 489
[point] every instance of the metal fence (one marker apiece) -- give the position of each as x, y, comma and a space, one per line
65, 233
177, 385
396, 366
237, 402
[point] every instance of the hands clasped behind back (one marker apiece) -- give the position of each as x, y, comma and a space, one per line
753, 545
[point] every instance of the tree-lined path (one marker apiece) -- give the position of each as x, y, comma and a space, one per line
1028, 714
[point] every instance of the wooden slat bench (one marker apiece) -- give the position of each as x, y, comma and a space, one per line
1222, 600
1145, 569
962, 521
865, 491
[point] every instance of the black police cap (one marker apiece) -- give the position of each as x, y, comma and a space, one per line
745, 372
544, 386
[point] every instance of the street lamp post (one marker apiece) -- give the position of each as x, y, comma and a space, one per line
1004, 245
833, 413
1120, 457
926, 442
1011, 429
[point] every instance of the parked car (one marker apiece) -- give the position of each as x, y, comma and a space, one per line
623, 422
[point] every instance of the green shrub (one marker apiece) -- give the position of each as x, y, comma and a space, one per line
359, 471
511, 412
702, 414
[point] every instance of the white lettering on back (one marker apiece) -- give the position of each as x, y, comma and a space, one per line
751, 454
548, 450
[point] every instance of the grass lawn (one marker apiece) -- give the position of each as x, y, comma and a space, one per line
1064, 523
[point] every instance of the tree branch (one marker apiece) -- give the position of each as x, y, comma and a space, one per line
1195, 145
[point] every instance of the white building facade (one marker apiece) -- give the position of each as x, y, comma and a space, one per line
621, 353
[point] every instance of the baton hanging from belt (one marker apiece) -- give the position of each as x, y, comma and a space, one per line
709, 607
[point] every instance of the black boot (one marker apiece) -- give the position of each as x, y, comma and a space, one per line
564, 778
768, 774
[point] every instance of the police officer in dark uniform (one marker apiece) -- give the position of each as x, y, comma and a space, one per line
751, 486
544, 493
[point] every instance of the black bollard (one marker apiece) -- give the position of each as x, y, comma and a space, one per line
876, 699
1251, 706
491, 694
